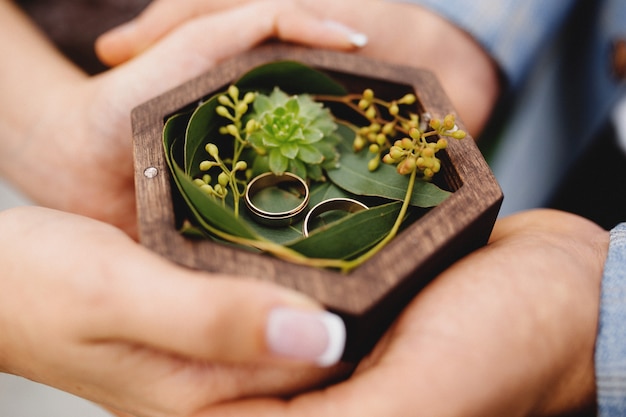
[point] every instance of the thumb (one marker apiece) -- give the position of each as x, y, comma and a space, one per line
214, 317
262, 20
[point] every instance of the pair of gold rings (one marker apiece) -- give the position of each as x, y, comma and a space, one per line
297, 185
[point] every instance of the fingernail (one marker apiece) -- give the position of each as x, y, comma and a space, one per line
357, 39
313, 336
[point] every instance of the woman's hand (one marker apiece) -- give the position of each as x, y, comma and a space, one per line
85, 309
507, 331
399, 33
67, 138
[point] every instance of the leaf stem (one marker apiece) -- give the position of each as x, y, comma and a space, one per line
349, 265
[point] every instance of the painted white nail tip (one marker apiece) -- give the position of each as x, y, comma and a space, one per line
336, 340
359, 39
317, 337
355, 38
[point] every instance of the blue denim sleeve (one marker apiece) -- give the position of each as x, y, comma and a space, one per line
511, 31
610, 356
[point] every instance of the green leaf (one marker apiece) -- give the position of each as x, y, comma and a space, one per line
278, 162
205, 209
297, 167
292, 106
203, 127
354, 177
310, 154
312, 135
350, 236
289, 150
326, 190
292, 77
262, 103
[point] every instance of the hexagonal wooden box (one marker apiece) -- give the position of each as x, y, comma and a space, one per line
371, 296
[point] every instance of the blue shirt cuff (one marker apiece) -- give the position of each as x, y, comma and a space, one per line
610, 356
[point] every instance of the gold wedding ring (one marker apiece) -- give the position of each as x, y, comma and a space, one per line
285, 180
344, 204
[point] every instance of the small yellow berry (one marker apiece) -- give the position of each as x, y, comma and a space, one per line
435, 124
407, 166
212, 150
222, 111
223, 179
436, 166
241, 166
251, 126
358, 144
407, 143
224, 100
428, 153
207, 189
241, 108
459, 134
232, 130
388, 128
408, 99
396, 152
448, 122
373, 164
249, 97
233, 92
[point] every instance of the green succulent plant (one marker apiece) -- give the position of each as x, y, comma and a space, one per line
294, 133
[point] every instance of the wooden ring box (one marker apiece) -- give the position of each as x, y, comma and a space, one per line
372, 295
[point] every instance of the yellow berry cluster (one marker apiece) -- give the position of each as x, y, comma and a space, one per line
233, 108
226, 179
383, 125
415, 152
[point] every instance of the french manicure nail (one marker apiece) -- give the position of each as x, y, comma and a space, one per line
357, 39
313, 336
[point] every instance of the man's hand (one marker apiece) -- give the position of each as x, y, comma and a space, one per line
507, 331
